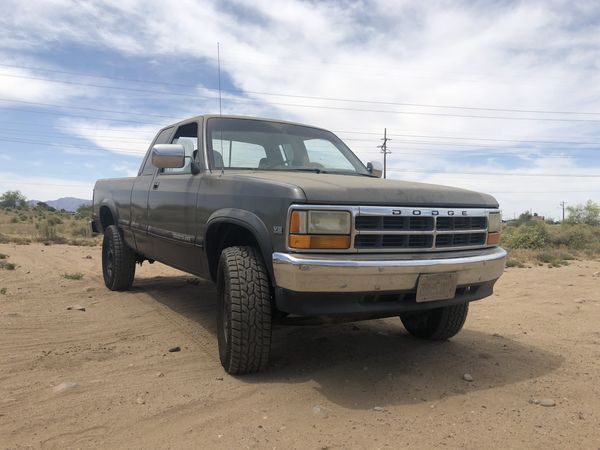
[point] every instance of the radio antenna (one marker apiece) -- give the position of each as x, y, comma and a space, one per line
219, 74
220, 109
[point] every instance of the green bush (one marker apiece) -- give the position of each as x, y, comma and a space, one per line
532, 235
578, 237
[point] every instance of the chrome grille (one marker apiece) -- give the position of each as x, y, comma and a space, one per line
428, 231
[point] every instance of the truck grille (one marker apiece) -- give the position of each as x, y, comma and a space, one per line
419, 232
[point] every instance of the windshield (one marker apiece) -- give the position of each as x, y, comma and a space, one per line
263, 145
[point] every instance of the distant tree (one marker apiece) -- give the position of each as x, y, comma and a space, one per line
524, 218
85, 211
43, 206
588, 214
12, 199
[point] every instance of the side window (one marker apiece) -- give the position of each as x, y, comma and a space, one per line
163, 138
187, 135
228, 153
323, 152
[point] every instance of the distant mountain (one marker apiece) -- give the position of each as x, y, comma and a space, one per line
66, 203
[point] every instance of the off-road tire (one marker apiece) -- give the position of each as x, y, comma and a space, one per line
118, 260
244, 311
436, 324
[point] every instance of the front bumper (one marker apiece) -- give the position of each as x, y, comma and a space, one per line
382, 273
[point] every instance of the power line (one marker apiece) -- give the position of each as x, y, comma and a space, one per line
507, 174
566, 142
75, 147
311, 97
53, 105
333, 108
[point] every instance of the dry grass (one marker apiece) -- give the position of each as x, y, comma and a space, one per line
33, 225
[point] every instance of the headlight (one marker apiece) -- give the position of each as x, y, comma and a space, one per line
328, 222
320, 229
494, 229
494, 222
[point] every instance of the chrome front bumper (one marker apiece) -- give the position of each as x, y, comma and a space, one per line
381, 273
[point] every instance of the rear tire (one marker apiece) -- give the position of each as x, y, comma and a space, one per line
436, 324
244, 311
118, 261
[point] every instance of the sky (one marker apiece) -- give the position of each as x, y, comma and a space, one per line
496, 96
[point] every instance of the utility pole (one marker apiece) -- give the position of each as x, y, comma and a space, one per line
385, 151
562, 204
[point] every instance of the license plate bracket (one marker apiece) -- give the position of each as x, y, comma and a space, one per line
436, 286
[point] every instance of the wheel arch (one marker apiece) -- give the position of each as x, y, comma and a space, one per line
107, 215
229, 227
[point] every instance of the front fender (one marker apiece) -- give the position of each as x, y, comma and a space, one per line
252, 223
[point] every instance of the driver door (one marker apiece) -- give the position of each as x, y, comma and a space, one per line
172, 205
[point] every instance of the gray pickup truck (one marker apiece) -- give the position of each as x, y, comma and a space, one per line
293, 228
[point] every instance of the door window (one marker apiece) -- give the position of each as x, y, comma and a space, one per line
187, 135
162, 138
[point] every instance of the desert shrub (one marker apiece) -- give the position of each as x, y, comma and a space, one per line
15, 219
3, 291
3, 256
73, 276
83, 242
577, 237
552, 258
81, 230
7, 266
532, 235
47, 233
55, 220
511, 262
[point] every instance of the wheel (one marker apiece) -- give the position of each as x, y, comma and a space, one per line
436, 324
118, 260
244, 311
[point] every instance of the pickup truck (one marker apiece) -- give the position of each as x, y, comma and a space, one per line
293, 227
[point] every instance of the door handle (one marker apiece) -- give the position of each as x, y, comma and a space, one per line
156, 184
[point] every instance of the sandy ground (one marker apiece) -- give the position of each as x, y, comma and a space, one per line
363, 385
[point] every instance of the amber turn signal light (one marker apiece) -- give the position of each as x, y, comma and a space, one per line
493, 238
330, 242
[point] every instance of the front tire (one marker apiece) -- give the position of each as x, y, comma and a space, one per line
118, 261
244, 311
436, 324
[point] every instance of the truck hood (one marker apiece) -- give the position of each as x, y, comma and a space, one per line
322, 188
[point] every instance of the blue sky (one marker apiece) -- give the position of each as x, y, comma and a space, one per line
497, 96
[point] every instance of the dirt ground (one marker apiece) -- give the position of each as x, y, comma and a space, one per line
103, 377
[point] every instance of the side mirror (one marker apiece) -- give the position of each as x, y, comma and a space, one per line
375, 168
168, 156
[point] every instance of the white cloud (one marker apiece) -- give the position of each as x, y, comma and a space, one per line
128, 170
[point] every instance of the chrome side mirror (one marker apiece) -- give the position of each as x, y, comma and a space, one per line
375, 169
168, 156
